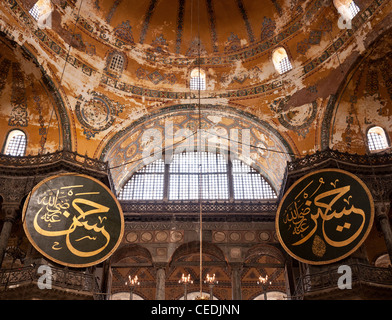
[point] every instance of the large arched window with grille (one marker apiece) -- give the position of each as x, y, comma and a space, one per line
15, 144
190, 174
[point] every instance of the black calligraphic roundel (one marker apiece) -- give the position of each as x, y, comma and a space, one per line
73, 220
325, 216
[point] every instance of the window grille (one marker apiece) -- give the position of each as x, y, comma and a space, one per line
185, 172
35, 12
377, 139
16, 144
285, 65
353, 10
117, 63
198, 79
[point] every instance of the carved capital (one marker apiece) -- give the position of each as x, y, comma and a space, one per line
10, 211
381, 210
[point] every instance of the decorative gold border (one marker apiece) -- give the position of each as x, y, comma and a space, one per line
25, 207
352, 250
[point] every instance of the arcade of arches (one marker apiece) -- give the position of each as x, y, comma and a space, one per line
198, 115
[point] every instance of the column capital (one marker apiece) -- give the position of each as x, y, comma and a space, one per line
381, 209
236, 265
10, 210
160, 265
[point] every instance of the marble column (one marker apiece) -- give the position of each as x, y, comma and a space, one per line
236, 269
381, 213
10, 211
160, 286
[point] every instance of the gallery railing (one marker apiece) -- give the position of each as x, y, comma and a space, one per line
329, 279
377, 159
51, 158
190, 207
82, 282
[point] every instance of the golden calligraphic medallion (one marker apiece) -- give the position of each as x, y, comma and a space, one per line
324, 216
73, 219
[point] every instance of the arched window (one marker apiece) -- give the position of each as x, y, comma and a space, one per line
347, 8
377, 139
145, 184
15, 144
116, 62
198, 79
41, 12
281, 60
219, 180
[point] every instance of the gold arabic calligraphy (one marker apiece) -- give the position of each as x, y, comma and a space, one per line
300, 213
56, 206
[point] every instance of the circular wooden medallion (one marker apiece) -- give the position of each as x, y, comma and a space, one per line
325, 216
73, 219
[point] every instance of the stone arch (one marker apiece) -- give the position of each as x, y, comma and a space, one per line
363, 74
186, 260
266, 261
130, 149
194, 247
131, 251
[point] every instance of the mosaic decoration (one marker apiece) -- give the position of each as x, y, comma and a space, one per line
122, 147
267, 29
364, 99
196, 49
314, 36
233, 43
58, 103
96, 114
250, 52
298, 119
102, 33
277, 6
42, 131
5, 65
242, 77
212, 21
244, 15
30, 23
156, 77
147, 18
180, 24
62, 52
159, 44
124, 32
361, 18
112, 10
246, 92
19, 116
303, 46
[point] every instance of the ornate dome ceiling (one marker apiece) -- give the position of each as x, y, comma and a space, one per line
174, 26
98, 108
